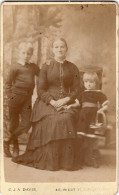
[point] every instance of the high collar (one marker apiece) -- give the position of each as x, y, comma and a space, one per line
60, 62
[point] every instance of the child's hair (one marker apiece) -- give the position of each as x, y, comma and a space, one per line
91, 76
26, 45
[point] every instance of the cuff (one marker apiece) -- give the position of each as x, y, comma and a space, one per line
49, 99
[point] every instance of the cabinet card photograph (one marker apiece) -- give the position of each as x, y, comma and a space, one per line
59, 98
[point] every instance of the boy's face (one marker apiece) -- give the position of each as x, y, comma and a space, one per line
25, 55
89, 84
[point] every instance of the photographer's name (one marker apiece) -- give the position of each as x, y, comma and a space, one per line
21, 189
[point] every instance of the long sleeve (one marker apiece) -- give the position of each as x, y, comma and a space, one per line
75, 87
80, 97
103, 99
9, 80
42, 85
36, 69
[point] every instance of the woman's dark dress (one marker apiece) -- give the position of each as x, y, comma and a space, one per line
53, 143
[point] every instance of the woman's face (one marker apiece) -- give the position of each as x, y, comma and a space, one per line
59, 49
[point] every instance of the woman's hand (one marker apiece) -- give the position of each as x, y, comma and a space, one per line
59, 103
62, 102
53, 103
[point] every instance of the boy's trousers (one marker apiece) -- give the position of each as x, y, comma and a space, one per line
19, 115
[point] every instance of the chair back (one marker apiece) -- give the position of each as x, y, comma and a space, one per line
99, 128
90, 68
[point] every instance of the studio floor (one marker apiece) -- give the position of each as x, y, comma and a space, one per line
105, 173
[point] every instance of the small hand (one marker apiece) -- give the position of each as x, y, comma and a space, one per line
68, 107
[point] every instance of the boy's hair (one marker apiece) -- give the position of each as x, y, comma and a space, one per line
26, 45
92, 76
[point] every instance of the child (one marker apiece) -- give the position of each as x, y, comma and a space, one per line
19, 87
89, 100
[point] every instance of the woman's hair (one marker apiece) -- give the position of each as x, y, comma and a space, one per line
50, 54
59, 39
91, 76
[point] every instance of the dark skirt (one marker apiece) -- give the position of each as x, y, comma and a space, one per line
87, 116
53, 143
56, 155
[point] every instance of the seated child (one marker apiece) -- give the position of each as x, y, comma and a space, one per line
89, 101
19, 88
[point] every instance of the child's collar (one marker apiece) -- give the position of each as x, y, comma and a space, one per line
21, 62
93, 90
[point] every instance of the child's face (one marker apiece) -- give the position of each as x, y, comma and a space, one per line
25, 55
89, 84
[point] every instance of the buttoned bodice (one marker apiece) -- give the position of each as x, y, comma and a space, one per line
58, 80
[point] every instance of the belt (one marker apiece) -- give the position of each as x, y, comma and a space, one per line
89, 104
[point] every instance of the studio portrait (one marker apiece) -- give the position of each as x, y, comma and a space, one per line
59, 93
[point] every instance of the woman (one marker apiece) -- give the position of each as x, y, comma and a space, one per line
53, 144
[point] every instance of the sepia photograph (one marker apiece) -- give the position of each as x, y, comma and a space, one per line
59, 98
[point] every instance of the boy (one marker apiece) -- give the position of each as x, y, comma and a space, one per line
19, 87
